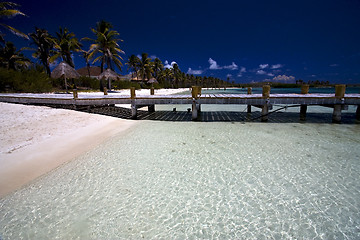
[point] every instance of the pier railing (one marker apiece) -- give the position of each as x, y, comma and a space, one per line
338, 101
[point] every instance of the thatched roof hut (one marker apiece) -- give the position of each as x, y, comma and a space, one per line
64, 70
94, 71
109, 74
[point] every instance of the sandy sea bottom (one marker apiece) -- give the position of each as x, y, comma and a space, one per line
189, 180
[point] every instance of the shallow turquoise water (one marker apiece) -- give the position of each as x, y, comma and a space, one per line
186, 180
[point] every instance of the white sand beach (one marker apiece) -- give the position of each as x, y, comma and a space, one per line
34, 140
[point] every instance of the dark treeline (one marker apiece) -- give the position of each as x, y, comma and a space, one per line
146, 70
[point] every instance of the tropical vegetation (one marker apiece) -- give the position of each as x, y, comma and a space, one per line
44, 43
65, 45
7, 10
105, 48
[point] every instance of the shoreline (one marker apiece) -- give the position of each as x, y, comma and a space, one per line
26, 162
29, 135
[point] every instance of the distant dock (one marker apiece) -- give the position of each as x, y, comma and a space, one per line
338, 101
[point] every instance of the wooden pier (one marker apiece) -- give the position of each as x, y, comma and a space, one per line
338, 101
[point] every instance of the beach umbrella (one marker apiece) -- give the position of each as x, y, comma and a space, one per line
109, 75
64, 70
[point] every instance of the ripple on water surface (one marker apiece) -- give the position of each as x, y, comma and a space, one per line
165, 180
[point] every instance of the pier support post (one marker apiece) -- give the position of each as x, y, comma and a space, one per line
358, 113
75, 93
249, 91
194, 111
196, 107
303, 107
151, 108
339, 94
265, 107
133, 104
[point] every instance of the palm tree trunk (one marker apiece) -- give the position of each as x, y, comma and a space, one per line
88, 68
66, 85
102, 66
48, 70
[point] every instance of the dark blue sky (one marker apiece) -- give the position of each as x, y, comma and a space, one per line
250, 40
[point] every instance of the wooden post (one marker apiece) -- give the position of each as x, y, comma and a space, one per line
266, 91
249, 91
358, 113
151, 108
196, 107
303, 107
194, 111
132, 93
340, 90
339, 94
265, 107
133, 104
304, 89
196, 92
133, 110
105, 91
75, 93
264, 113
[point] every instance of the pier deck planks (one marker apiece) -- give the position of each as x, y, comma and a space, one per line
113, 98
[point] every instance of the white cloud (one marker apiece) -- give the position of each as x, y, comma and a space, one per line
260, 72
153, 57
194, 72
167, 65
284, 78
229, 75
233, 66
270, 74
263, 66
242, 70
334, 65
276, 66
213, 64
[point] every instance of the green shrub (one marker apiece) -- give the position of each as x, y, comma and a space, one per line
29, 80
119, 84
87, 83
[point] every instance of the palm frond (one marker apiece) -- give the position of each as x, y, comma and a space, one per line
15, 31
9, 13
4, 5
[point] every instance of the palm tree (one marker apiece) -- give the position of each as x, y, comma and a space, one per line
10, 58
145, 66
158, 67
7, 10
65, 45
106, 45
134, 63
85, 55
177, 73
167, 75
45, 44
